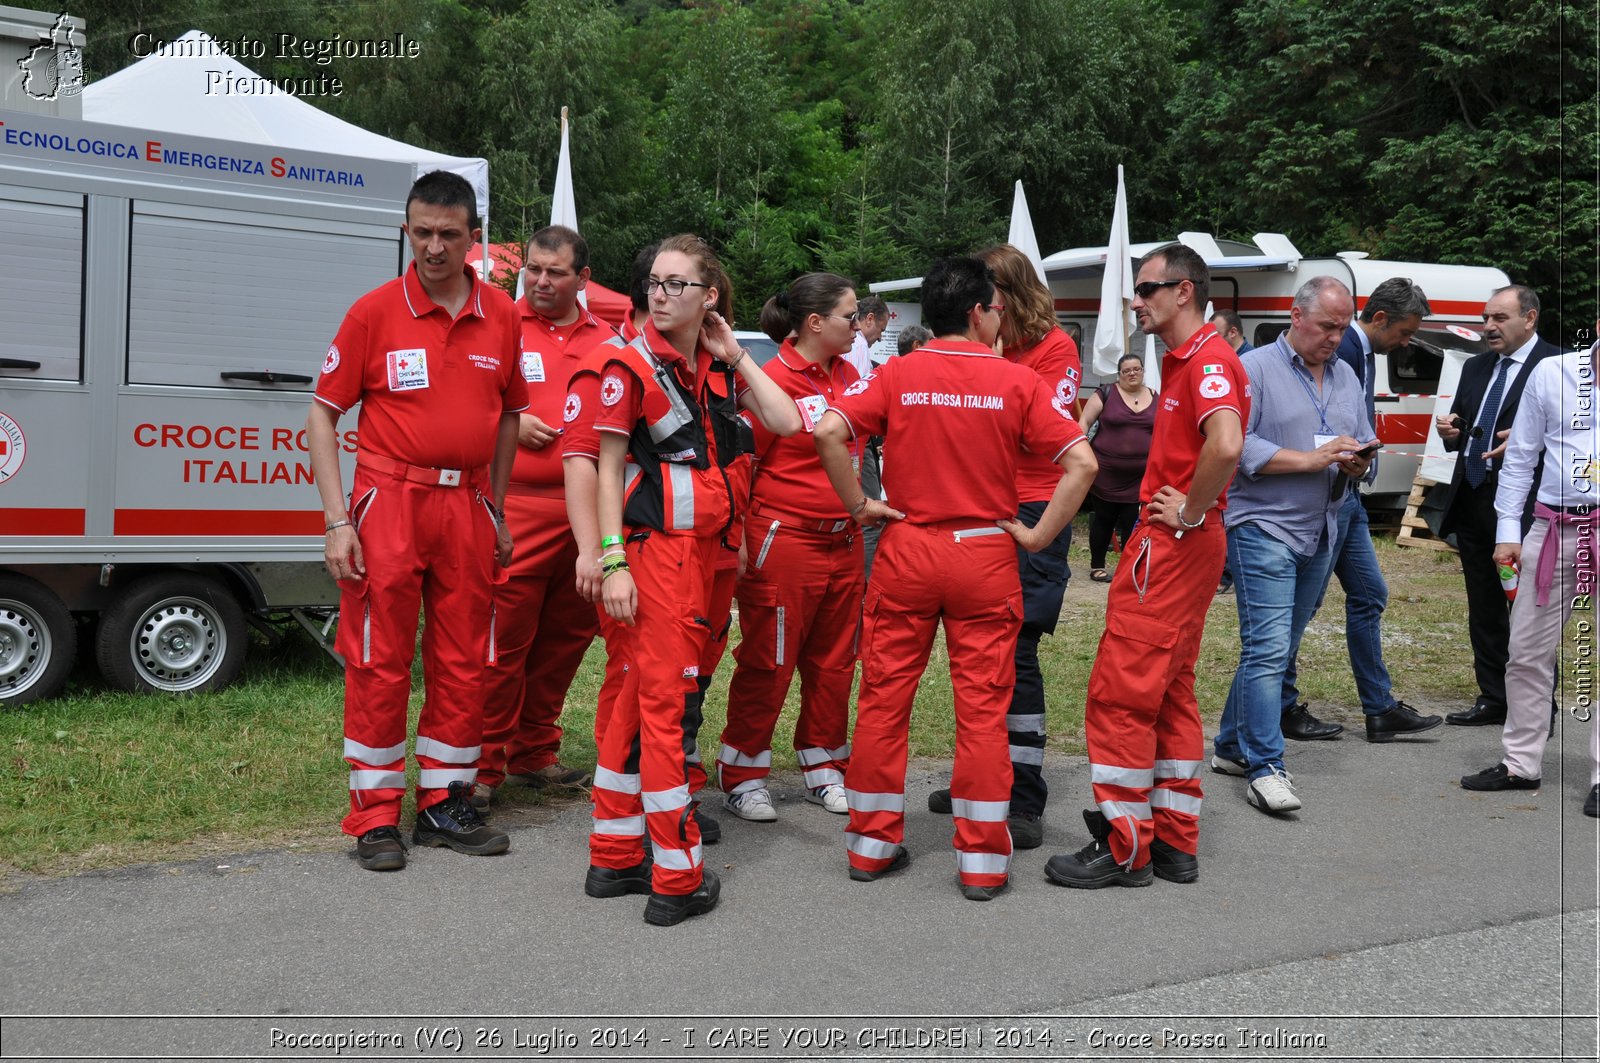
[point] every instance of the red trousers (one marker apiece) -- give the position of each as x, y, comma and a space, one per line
543, 627
1142, 721
924, 574
430, 546
640, 782
799, 609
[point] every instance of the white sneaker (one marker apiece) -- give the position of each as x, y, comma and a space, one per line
1228, 766
1272, 793
830, 797
754, 805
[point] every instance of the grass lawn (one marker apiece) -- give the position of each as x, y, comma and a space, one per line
97, 779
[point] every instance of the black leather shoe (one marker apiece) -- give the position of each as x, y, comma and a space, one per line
985, 893
710, 829
381, 849
1591, 807
1172, 863
1482, 714
899, 862
1402, 719
665, 909
1027, 832
1300, 725
455, 824
939, 801
617, 881
1498, 777
1093, 867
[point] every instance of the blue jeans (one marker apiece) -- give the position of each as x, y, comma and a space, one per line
1366, 595
1277, 592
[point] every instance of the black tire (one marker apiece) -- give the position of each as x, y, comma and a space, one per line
177, 633
38, 641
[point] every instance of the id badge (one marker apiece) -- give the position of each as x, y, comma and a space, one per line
1321, 440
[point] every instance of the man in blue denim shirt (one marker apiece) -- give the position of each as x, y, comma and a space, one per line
1389, 318
1308, 425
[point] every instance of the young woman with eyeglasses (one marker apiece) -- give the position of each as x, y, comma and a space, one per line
664, 504
800, 595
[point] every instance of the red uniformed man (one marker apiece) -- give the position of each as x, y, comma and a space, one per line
432, 359
800, 597
955, 416
664, 508
543, 624
1142, 721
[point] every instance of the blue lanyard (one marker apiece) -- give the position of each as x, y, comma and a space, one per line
1303, 375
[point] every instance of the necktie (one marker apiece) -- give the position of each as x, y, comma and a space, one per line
1483, 432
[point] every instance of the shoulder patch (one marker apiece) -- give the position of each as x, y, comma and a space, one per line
331, 362
859, 386
574, 406
1215, 386
611, 390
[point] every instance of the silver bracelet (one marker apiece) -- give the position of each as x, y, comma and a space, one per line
336, 524
1186, 524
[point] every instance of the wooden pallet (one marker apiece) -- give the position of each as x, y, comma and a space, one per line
1414, 531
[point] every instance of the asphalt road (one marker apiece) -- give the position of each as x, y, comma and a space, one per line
1396, 917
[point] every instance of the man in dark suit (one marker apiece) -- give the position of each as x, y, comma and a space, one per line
1479, 421
1390, 317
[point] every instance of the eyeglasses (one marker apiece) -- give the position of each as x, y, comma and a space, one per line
671, 287
1001, 309
1149, 288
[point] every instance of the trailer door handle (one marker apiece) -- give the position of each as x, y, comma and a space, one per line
17, 363
267, 377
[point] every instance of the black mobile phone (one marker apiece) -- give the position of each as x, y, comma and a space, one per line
1369, 450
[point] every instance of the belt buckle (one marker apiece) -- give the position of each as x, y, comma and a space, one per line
449, 477
840, 525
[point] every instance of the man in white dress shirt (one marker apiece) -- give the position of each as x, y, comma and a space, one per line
1556, 420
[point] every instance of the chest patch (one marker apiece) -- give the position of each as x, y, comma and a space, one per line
408, 369
533, 367
812, 407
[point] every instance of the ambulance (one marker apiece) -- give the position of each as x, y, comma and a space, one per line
165, 304
1258, 281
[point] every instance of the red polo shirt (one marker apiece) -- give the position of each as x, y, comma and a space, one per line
954, 417
431, 387
551, 354
624, 400
1055, 359
1198, 377
789, 477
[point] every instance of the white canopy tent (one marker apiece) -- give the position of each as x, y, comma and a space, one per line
168, 92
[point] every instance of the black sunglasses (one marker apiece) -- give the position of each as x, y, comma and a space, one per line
1149, 288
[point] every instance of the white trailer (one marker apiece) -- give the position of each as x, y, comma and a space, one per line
167, 300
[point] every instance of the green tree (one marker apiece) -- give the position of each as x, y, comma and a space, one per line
1436, 131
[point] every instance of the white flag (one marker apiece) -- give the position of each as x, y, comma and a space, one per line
563, 206
1022, 237
1116, 291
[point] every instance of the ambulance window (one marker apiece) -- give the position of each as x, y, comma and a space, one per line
41, 285
1268, 334
1413, 369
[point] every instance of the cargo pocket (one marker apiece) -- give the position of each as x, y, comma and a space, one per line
763, 641
1138, 668
997, 656
354, 640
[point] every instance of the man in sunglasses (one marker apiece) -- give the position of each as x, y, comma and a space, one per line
1308, 435
1141, 720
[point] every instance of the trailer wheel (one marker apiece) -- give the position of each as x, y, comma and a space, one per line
38, 641
179, 633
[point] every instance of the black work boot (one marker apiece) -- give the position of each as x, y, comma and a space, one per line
455, 824
1093, 867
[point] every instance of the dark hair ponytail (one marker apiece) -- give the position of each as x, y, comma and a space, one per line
811, 293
